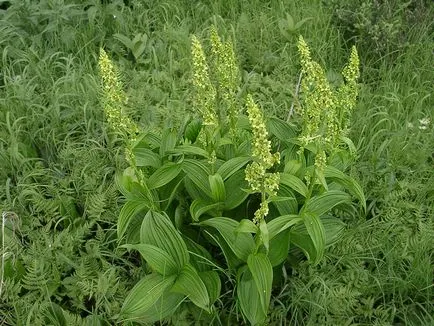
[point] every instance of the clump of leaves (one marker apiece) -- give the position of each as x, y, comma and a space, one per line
229, 192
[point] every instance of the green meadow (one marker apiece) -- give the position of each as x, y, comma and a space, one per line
64, 249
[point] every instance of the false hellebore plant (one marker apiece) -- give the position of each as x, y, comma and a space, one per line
229, 192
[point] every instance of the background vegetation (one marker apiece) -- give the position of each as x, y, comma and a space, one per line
57, 192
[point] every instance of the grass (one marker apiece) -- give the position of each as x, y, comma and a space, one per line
58, 162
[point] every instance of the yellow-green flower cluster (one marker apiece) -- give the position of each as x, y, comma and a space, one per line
320, 160
347, 93
256, 173
204, 97
319, 102
226, 72
261, 212
114, 99
261, 144
326, 112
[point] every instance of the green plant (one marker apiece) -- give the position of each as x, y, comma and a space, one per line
136, 46
379, 27
212, 197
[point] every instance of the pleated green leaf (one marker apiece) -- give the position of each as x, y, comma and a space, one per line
279, 247
146, 157
189, 150
128, 184
198, 173
288, 206
234, 185
293, 167
232, 260
212, 283
163, 308
281, 129
349, 183
164, 175
305, 243
199, 207
249, 299
192, 130
246, 226
262, 272
157, 230
242, 244
333, 228
217, 187
191, 285
194, 191
128, 211
231, 166
264, 233
316, 232
158, 259
323, 203
294, 183
145, 294
281, 223
150, 139
168, 141
200, 258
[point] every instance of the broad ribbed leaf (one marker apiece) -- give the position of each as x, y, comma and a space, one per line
290, 205
145, 294
249, 299
212, 283
194, 191
228, 168
293, 167
323, 203
232, 261
163, 308
294, 183
281, 223
158, 230
281, 129
174, 192
246, 226
168, 141
190, 284
304, 242
235, 195
262, 272
158, 259
350, 144
164, 175
200, 258
264, 234
242, 244
146, 157
128, 184
189, 150
279, 247
150, 139
128, 211
199, 207
349, 183
198, 173
316, 232
333, 228
192, 130
217, 187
